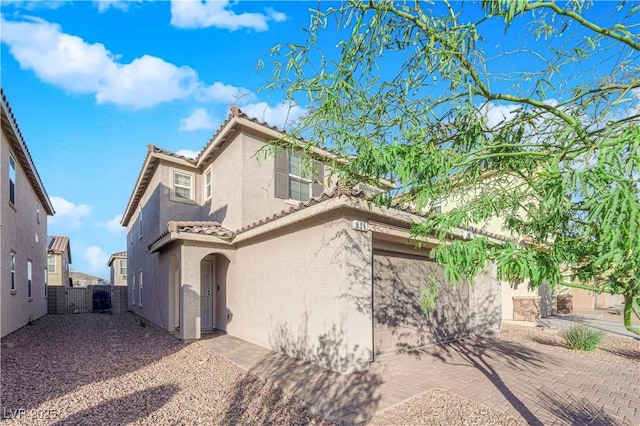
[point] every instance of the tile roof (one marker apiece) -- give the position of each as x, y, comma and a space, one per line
82, 276
340, 190
10, 126
57, 244
116, 255
195, 227
200, 227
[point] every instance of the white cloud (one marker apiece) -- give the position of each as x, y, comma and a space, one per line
198, 120
68, 213
114, 225
121, 5
96, 259
32, 4
282, 115
80, 67
218, 13
224, 93
497, 114
187, 153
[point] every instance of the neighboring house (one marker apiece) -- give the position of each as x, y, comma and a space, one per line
235, 241
24, 207
80, 279
58, 260
586, 301
518, 302
118, 266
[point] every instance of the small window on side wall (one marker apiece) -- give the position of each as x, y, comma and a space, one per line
12, 180
207, 185
29, 279
12, 269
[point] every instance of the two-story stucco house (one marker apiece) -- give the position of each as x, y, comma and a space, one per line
235, 241
118, 268
58, 260
24, 207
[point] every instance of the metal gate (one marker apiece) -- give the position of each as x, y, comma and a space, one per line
95, 298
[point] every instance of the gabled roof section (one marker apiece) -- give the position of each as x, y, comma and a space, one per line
151, 161
19, 147
116, 255
58, 245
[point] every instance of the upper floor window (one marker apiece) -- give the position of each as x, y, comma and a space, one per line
207, 184
12, 269
12, 180
299, 182
295, 179
123, 267
182, 186
51, 263
29, 278
38, 212
46, 280
140, 224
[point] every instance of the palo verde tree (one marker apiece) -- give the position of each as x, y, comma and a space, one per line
526, 111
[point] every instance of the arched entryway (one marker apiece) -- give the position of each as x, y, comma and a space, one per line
214, 314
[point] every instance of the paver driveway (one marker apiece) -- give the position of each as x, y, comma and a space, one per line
533, 385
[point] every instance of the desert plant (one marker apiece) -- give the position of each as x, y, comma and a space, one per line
582, 338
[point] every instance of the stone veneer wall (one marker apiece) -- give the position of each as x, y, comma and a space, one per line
526, 308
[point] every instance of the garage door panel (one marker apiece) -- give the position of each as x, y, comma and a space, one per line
397, 282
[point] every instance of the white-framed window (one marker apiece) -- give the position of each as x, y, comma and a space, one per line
207, 185
51, 263
133, 289
140, 217
46, 281
29, 279
38, 212
182, 186
123, 266
12, 269
140, 289
299, 182
12, 180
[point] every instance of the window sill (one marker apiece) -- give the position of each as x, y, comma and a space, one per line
181, 200
29, 299
293, 202
14, 292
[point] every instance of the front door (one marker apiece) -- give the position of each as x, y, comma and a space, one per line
206, 295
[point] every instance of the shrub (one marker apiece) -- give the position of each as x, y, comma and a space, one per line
582, 338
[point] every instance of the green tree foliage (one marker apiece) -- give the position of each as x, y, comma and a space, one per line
525, 111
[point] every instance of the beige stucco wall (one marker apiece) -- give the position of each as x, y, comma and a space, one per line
306, 291
18, 231
61, 276
116, 278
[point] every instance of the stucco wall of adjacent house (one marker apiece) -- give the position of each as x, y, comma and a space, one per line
225, 205
61, 274
306, 291
118, 279
22, 234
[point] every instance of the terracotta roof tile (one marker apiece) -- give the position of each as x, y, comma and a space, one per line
57, 244
195, 227
119, 254
158, 150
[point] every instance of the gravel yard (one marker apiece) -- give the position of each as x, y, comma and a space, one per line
619, 350
103, 369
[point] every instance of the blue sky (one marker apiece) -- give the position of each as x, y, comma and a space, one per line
92, 83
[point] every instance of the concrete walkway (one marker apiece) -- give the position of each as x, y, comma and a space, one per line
535, 386
610, 326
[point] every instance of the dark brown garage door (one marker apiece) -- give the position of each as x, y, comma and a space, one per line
399, 322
